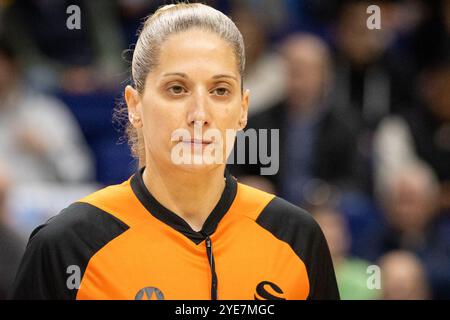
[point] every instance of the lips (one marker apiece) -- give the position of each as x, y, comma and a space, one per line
196, 141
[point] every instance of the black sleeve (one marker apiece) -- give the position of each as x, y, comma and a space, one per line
322, 277
41, 270
69, 239
12, 247
297, 227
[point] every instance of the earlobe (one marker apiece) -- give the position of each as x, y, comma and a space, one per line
242, 124
135, 120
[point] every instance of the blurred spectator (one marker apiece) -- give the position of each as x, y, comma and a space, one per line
317, 144
337, 126
351, 272
39, 139
369, 78
273, 15
403, 277
12, 245
264, 67
413, 222
409, 197
47, 47
420, 133
131, 13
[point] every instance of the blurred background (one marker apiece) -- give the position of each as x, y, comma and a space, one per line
364, 119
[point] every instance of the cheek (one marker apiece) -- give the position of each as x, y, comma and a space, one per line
158, 122
228, 119
231, 113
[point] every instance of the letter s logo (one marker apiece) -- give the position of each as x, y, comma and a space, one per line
266, 290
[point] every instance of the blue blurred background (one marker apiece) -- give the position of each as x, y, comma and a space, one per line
364, 119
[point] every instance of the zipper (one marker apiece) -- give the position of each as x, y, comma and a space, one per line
212, 266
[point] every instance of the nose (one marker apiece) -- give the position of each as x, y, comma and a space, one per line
198, 112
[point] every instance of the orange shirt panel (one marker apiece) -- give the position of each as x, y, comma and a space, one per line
153, 254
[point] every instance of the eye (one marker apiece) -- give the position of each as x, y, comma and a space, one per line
221, 91
177, 90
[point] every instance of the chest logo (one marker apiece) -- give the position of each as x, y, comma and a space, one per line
267, 290
149, 293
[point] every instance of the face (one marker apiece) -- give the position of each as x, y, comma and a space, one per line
307, 72
402, 277
360, 44
191, 96
410, 205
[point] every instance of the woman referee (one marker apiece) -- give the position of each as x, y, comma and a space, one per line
181, 227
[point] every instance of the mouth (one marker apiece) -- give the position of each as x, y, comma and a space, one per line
196, 141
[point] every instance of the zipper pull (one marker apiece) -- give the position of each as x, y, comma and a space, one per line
209, 248
209, 253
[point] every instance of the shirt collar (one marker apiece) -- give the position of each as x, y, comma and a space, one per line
175, 221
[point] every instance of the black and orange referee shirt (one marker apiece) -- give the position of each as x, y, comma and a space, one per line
126, 245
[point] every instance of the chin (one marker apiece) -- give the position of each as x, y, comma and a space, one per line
198, 167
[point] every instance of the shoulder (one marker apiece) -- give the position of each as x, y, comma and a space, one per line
81, 222
280, 217
296, 227
69, 239
64, 243
285, 221
288, 222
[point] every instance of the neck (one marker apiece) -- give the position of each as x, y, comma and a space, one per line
191, 195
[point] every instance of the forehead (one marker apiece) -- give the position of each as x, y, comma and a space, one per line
197, 50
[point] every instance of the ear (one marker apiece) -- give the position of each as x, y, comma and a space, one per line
133, 100
244, 109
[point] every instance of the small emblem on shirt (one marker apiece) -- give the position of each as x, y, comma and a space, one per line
266, 290
149, 293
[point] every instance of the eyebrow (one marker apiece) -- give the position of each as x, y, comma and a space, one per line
183, 75
218, 76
